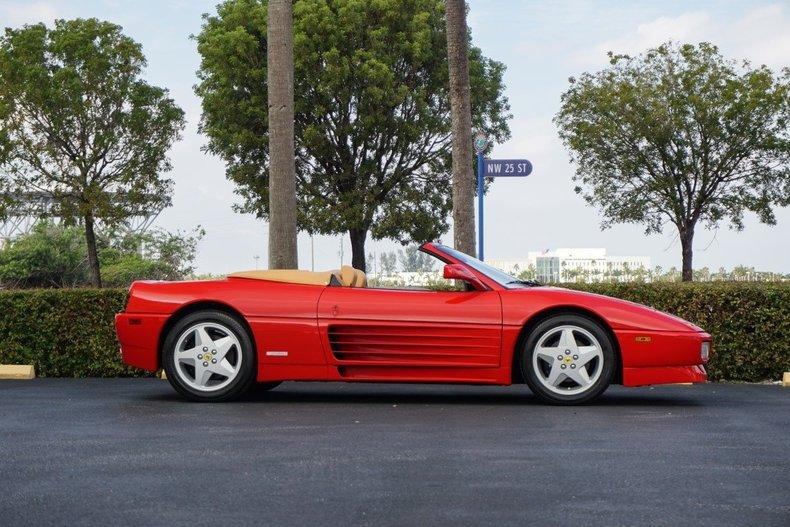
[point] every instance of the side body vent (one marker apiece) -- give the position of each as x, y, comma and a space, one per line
424, 345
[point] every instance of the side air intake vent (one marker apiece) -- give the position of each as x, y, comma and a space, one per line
408, 345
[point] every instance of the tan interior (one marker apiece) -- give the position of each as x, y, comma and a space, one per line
291, 276
347, 276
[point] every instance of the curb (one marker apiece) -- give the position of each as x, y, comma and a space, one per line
17, 371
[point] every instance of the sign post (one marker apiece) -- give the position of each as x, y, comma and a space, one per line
492, 168
481, 143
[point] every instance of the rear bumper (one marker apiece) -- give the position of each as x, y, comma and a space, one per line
664, 375
138, 335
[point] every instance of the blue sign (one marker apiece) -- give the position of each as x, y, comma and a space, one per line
507, 168
494, 168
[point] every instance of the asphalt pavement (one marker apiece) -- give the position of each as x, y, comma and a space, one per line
131, 452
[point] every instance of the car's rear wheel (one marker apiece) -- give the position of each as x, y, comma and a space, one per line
209, 356
568, 359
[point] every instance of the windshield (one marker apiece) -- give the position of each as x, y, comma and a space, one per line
498, 276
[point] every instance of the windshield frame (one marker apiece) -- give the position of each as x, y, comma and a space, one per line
501, 278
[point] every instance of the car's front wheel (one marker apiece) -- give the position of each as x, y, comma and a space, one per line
209, 356
568, 359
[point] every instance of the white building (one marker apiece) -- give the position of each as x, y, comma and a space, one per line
576, 265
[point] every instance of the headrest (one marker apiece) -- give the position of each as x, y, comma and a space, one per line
347, 275
351, 277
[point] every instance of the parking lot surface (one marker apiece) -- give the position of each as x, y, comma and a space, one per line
131, 452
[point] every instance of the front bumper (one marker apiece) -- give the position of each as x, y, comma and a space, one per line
662, 357
664, 375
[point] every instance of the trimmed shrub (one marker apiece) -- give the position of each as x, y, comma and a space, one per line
70, 332
63, 332
749, 321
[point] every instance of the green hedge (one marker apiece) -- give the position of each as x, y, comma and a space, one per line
69, 333
749, 321
63, 332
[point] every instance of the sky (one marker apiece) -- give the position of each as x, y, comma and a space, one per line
542, 44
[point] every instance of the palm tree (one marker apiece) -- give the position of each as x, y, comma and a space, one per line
461, 112
282, 178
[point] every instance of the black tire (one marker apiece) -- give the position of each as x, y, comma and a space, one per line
244, 379
596, 388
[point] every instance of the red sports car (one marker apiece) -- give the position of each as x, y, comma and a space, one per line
216, 338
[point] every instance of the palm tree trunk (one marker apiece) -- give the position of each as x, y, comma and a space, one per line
282, 179
93, 255
461, 113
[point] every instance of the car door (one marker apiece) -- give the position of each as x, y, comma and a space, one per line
371, 333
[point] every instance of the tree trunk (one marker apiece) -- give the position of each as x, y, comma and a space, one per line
461, 112
282, 179
358, 237
686, 242
93, 256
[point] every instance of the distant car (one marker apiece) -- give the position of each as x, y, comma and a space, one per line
216, 338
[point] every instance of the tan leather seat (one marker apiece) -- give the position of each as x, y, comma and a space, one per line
291, 276
347, 275
351, 277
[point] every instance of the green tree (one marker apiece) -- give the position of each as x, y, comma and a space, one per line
412, 260
682, 135
701, 275
530, 273
372, 113
742, 272
389, 263
672, 275
154, 255
641, 274
50, 256
56, 255
78, 123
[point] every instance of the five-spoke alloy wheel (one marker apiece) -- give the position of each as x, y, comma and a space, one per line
568, 359
208, 356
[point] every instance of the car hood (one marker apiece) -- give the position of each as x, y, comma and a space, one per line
620, 314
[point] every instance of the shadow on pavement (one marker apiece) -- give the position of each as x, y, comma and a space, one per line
297, 395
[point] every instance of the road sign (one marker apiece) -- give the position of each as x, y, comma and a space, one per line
493, 168
507, 168
481, 142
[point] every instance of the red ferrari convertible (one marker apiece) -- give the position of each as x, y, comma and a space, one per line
216, 338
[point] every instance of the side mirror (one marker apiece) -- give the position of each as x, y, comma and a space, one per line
459, 272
